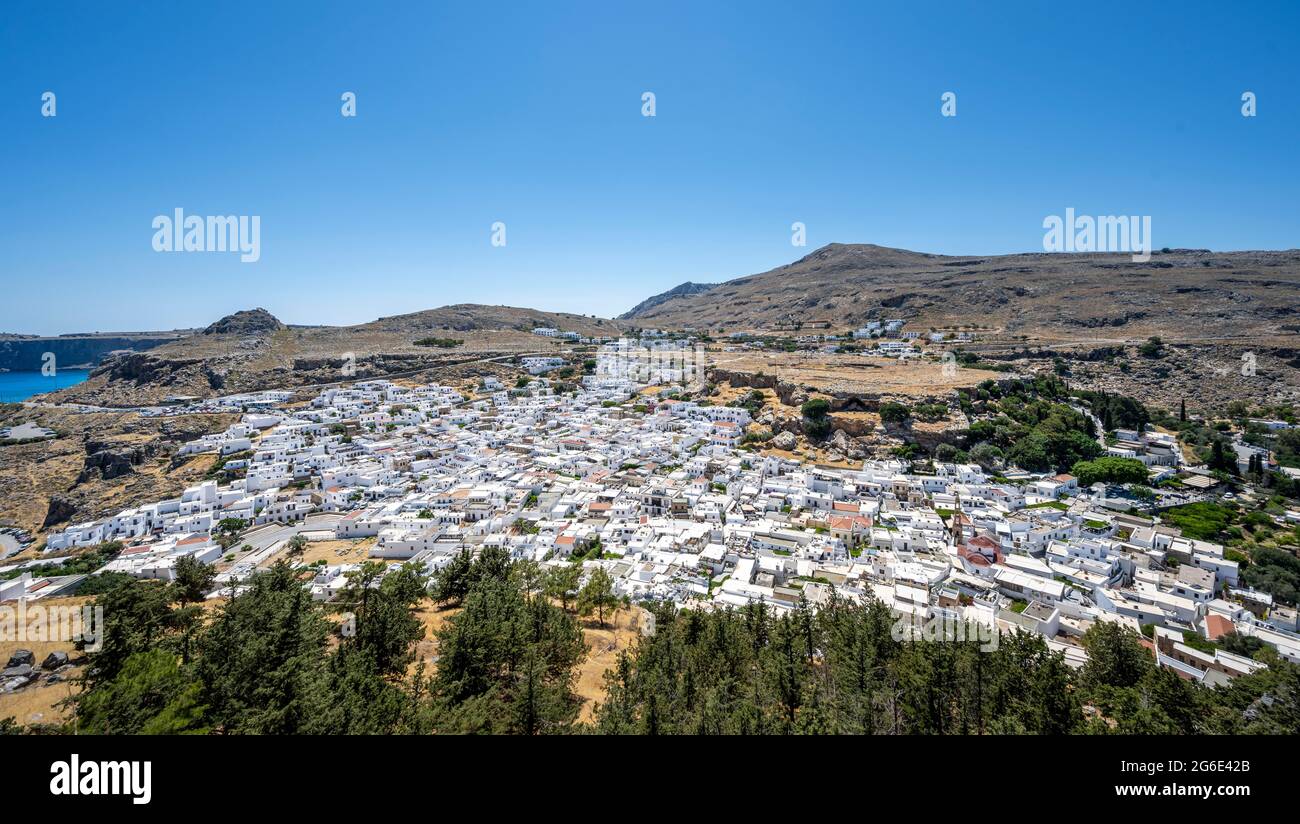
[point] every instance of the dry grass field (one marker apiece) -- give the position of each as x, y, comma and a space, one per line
620, 632
852, 373
39, 704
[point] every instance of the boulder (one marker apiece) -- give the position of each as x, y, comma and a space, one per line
54, 660
17, 682
20, 657
846, 445
60, 509
785, 441
108, 461
20, 671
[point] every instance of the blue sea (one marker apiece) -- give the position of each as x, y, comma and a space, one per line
19, 386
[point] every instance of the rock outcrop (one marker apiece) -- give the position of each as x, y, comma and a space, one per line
248, 322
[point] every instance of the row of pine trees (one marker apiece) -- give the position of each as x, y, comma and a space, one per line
269, 660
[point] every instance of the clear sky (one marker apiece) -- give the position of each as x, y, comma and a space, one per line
530, 114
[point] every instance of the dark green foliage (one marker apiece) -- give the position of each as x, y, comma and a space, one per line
230, 526
262, 661
1028, 426
816, 418
193, 580
597, 595
442, 343
947, 453
1110, 470
1275, 571
751, 403
83, 564
137, 617
1116, 411
506, 663
102, 582
1204, 520
561, 583
384, 624
1152, 348
454, 581
1222, 458
150, 695
1115, 658
892, 412
1043, 451
836, 671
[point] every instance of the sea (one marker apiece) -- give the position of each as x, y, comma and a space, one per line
19, 386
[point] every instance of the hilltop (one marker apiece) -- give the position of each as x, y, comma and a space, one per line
251, 350
1180, 295
247, 322
470, 317
682, 290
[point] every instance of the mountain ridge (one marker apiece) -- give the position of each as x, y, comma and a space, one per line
680, 290
1177, 293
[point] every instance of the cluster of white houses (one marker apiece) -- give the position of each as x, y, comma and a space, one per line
661, 493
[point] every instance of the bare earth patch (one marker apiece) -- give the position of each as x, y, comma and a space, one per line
853, 373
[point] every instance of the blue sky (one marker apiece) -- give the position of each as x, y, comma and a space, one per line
530, 114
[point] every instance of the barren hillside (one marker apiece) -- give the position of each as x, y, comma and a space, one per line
252, 350
1180, 295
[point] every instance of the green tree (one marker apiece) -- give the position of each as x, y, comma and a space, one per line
149, 695
1115, 656
816, 418
263, 660
385, 624
986, 455
562, 583
193, 580
893, 412
507, 663
1153, 348
296, 546
597, 595
137, 617
1109, 470
452, 582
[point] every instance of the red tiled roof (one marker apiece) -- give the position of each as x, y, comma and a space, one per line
1217, 626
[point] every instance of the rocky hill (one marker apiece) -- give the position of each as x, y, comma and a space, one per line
680, 291
469, 317
252, 350
98, 464
1180, 295
247, 322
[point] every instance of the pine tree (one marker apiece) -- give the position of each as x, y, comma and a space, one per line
150, 695
562, 583
597, 595
263, 661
